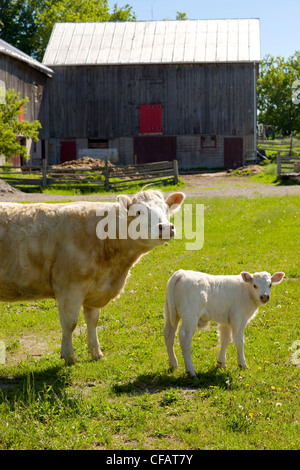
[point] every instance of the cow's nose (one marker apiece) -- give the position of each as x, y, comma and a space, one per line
166, 230
265, 298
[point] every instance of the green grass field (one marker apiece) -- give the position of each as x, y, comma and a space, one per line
129, 400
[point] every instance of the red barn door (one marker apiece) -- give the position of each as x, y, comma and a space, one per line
67, 151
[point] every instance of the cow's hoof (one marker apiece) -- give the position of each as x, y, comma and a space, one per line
97, 356
221, 365
69, 361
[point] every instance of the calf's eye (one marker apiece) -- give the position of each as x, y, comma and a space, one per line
255, 286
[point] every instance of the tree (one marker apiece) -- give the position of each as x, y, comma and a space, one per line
27, 24
180, 16
17, 24
276, 90
11, 126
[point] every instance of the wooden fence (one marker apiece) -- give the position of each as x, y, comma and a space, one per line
288, 164
107, 176
287, 155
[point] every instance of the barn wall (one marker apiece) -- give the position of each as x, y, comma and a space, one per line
188, 151
191, 155
200, 99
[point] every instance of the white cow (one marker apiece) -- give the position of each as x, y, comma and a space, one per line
57, 251
231, 301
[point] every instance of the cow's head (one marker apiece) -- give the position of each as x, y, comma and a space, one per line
148, 216
260, 284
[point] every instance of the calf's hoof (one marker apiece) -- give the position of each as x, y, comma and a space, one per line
191, 374
173, 366
243, 366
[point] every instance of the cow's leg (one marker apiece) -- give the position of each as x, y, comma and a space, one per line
92, 317
169, 336
186, 333
68, 307
225, 339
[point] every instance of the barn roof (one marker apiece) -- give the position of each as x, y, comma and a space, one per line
154, 42
8, 49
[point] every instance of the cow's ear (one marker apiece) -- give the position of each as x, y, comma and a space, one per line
174, 201
124, 201
277, 278
246, 276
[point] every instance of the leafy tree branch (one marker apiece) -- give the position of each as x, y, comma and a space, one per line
12, 127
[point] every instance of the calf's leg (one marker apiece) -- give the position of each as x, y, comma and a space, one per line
186, 333
225, 340
92, 317
169, 336
238, 339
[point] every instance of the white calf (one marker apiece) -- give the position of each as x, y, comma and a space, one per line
197, 298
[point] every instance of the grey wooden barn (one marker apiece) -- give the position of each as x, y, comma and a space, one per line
155, 90
28, 77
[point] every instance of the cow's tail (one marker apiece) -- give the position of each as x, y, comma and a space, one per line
170, 308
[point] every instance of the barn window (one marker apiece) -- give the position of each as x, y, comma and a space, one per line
150, 119
97, 143
208, 141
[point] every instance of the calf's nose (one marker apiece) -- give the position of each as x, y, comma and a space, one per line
265, 297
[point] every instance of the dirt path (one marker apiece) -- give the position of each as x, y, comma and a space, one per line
197, 185
223, 184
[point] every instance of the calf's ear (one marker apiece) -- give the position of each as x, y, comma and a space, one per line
124, 201
246, 276
277, 278
174, 201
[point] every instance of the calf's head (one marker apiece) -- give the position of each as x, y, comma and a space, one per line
148, 214
261, 283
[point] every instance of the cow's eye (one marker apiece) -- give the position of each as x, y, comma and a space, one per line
255, 286
270, 285
138, 213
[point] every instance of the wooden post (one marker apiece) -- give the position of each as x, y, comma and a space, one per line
291, 144
278, 163
44, 170
175, 167
106, 174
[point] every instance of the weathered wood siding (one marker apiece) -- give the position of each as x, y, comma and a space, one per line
103, 101
30, 83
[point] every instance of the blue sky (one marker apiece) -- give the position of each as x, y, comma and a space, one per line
279, 19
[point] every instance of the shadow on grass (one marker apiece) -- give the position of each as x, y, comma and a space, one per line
29, 385
152, 383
